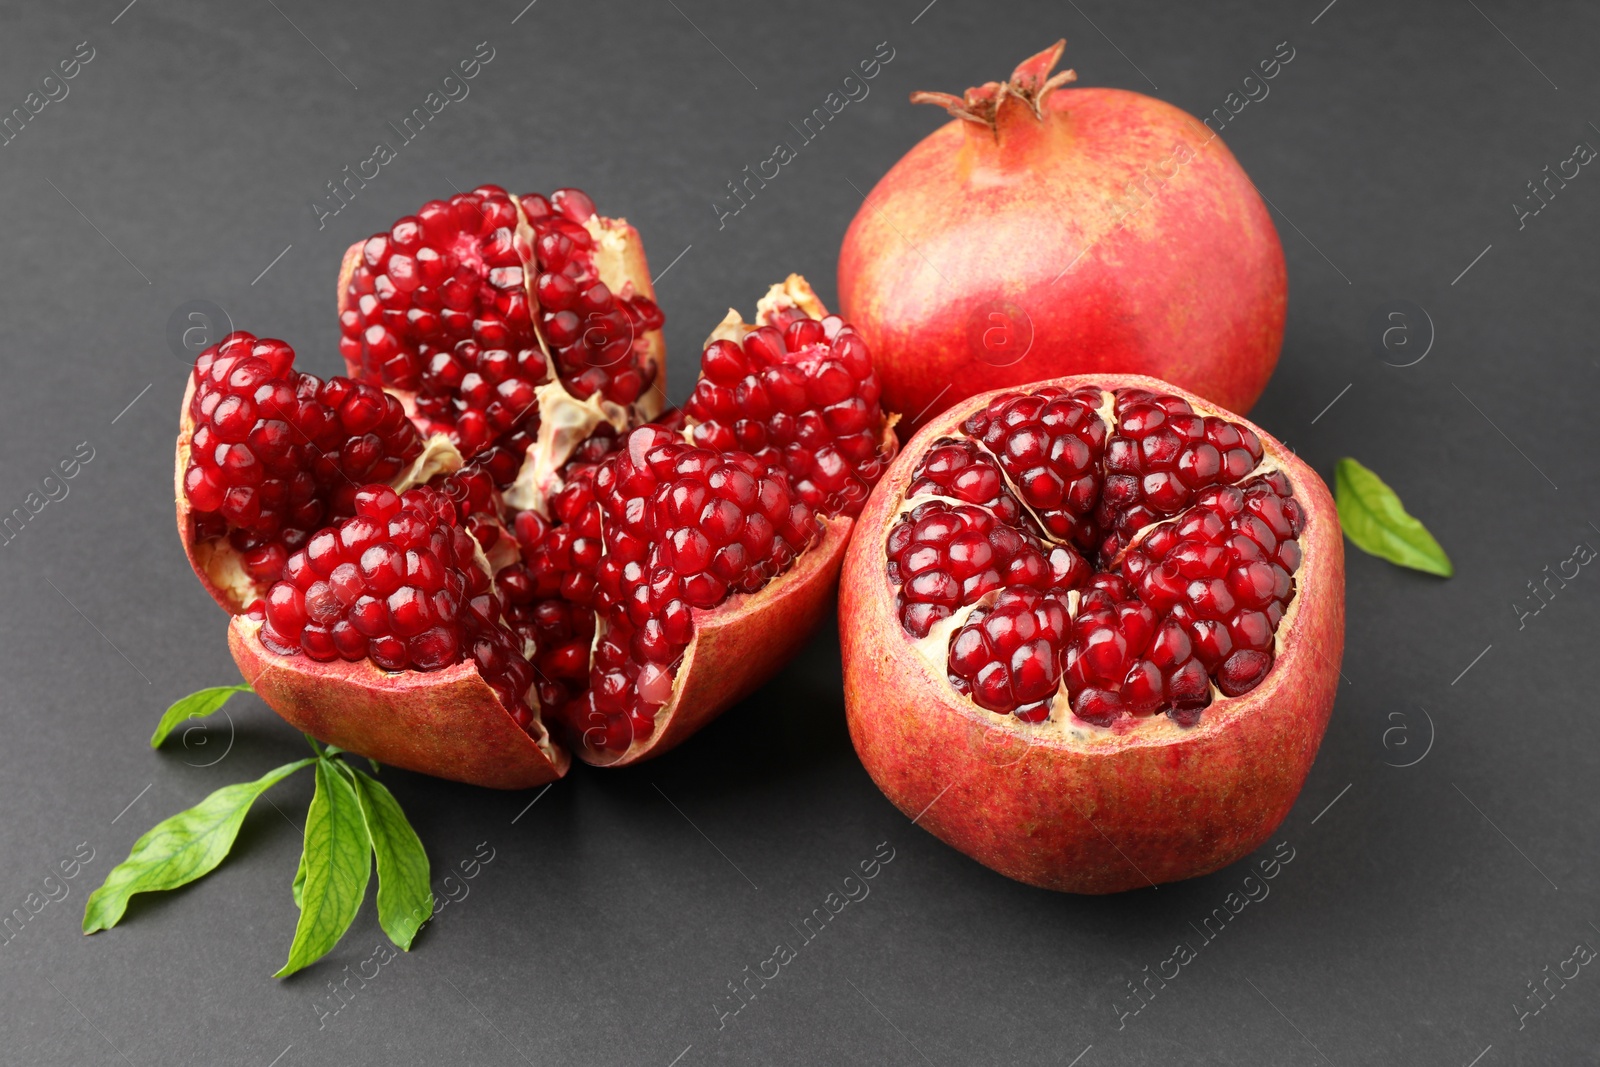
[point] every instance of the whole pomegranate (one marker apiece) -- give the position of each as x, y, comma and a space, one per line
1091, 631
477, 554
1053, 231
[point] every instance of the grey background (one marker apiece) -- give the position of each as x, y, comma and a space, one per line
615, 911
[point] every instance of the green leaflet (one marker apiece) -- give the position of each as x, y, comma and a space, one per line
1376, 522
404, 899
196, 705
178, 850
337, 861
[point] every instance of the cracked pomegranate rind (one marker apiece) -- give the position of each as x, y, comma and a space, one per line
448, 616
1137, 594
447, 723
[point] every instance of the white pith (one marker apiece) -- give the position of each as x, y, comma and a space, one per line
565, 422
933, 648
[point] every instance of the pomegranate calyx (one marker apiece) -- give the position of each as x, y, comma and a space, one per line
1031, 83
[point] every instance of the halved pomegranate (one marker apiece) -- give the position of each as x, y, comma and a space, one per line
1091, 631
617, 586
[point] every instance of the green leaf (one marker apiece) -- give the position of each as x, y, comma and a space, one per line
338, 863
404, 899
1375, 520
178, 850
196, 705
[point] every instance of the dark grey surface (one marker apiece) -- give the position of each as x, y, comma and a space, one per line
1420, 901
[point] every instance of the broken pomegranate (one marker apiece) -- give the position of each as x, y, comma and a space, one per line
1050, 230
1091, 631
471, 582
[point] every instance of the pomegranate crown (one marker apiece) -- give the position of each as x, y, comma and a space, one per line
1032, 83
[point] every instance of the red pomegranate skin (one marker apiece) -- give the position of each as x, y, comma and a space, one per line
1076, 234
447, 723
1136, 809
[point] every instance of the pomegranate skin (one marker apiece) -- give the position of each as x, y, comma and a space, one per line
447, 723
1131, 808
1110, 233
218, 569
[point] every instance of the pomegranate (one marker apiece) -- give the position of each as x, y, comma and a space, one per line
1051, 231
476, 554
1091, 631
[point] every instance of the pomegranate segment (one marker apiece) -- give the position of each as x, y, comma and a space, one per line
1162, 455
401, 583
1004, 656
1172, 605
510, 320
1142, 710
945, 557
591, 330
685, 528
1049, 445
805, 394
